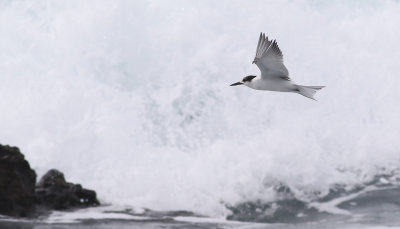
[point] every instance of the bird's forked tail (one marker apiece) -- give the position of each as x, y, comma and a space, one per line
308, 91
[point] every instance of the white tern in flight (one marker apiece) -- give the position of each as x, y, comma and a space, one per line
274, 75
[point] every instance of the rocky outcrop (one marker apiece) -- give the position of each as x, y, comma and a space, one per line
19, 197
17, 183
54, 192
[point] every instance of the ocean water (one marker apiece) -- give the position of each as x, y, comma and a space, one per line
132, 98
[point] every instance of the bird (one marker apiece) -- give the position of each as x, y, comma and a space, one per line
274, 75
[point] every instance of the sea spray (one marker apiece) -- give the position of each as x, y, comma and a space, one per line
132, 98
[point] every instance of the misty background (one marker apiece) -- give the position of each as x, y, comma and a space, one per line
132, 98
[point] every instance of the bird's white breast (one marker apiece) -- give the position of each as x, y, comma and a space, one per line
270, 84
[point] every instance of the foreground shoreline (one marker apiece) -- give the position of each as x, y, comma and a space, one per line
373, 216
54, 201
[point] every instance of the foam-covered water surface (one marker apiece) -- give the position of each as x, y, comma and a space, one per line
132, 98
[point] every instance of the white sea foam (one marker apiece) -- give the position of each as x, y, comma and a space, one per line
131, 98
100, 213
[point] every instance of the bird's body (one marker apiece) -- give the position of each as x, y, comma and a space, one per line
270, 84
274, 75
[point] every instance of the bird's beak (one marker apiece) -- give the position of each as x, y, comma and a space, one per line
254, 62
235, 84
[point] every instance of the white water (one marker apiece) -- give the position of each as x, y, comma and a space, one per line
131, 98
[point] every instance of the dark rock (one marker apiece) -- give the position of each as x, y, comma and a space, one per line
17, 183
20, 198
54, 192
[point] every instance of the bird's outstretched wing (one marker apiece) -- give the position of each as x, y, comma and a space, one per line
269, 59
